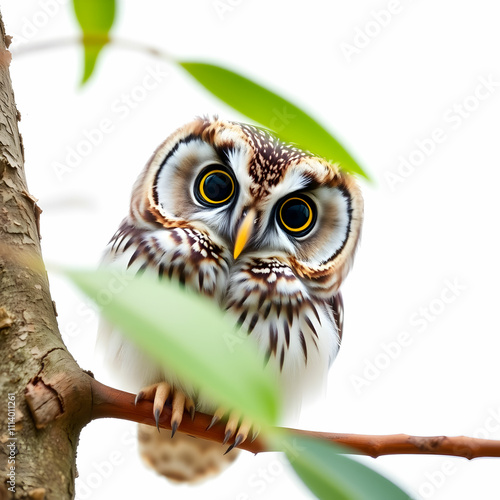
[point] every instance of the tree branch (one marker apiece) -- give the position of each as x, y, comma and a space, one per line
94, 40
112, 403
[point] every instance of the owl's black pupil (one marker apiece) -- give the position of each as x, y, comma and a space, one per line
295, 213
217, 186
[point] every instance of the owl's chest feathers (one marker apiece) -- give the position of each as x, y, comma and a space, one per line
181, 254
295, 330
270, 303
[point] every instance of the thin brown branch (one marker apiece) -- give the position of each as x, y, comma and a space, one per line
111, 403
96, 39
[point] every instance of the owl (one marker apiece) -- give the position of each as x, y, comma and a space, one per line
266, 231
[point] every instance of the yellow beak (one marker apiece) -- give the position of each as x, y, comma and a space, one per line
244, 232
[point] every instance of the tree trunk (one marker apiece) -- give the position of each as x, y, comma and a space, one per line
34, 463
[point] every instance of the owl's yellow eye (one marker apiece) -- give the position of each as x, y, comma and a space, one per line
297, 215
215, 186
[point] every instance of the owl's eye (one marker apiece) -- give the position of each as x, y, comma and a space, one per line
297, 215
214, 186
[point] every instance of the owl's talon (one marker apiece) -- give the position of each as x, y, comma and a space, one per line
214, 420
239, 439
178, 404
175, 425
159, 393
227, 436
190, 407
242, 434
232, 425
139, 397
218, 414
255, 433
157, 418
192, 412
243, 431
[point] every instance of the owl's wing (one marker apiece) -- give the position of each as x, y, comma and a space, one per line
338, 313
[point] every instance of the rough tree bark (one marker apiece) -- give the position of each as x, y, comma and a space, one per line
31, 347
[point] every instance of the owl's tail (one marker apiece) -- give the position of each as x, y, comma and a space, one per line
182, 458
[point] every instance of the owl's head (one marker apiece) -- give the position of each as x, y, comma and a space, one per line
255, 195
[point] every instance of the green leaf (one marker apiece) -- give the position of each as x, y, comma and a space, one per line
331, 476
288, 121
90, 55
95, 18
188, 334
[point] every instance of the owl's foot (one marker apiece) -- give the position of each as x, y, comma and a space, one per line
159, 394
235, 426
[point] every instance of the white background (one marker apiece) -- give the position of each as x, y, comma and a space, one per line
439, 223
